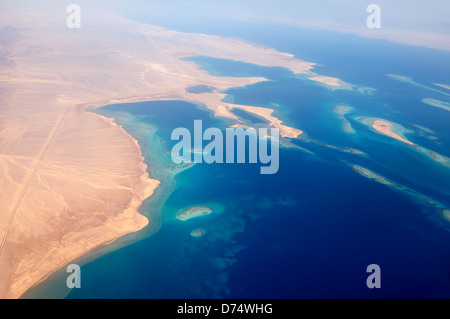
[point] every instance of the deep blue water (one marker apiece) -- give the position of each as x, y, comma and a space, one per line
311, 229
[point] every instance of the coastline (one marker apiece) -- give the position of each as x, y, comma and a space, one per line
121, 225
142, 234
154, 220
93, 180
49, 286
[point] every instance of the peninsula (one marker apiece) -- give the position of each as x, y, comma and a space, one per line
72, 181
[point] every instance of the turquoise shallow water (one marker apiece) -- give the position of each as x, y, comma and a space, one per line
311, 229
285, 235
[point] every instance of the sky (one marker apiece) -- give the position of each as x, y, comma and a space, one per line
418, 22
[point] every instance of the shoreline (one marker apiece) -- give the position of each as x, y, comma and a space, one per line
46, 287
145, 189
89, 178
165, 188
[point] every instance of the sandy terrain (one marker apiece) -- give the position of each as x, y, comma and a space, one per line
397, 131
327, 80
72, 181
193, 212
385, 127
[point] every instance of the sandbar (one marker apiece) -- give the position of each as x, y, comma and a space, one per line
198, 232
371, 175
409, 80
446, 214
437, 103
403, 189
445, 86
267, 114
327, 80
385, 128
341, 111
396, 131
193, 212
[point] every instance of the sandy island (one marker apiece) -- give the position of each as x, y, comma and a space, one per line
195, 211
385, 128
396, 131
71, 181
198, 232
327, 80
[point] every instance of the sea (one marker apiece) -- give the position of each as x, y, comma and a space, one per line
312, 229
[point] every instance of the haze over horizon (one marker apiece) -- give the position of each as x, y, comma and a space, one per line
422, 23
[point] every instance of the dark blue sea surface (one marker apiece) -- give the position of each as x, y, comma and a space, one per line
311, 229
